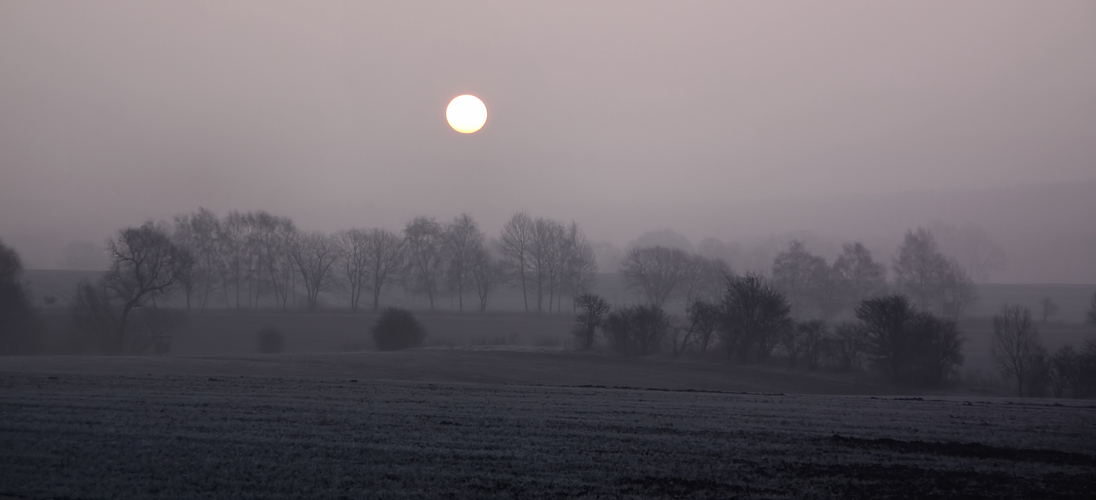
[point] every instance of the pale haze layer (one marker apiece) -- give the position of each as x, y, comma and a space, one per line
742, 121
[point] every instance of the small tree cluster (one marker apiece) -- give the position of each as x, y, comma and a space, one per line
755, 315
1016, 347
637, 330
1071, 372
546, 259
702, 321
663, 274
932, 280
910, 346
815, 288
397, 329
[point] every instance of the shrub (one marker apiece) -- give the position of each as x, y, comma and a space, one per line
637, 330
397, 329
271, 341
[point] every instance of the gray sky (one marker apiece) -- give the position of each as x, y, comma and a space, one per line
737, 120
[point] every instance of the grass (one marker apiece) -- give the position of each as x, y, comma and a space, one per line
418, 424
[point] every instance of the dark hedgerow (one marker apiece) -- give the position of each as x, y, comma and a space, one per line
271, 341
397, 329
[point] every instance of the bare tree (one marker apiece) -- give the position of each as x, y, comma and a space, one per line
858, 275
592, 310
931, 279
515, 241
1015, 343
314, 255
1049, 308
658, 273
801, 275
353, 247
579, 264
972, 247
755, 314
704, 280
462, 241
272, 238
234, 246
544, 258
384, 257
918, 266
201, 234
423, 241
957, 290
704, 320
487, 275
145, 264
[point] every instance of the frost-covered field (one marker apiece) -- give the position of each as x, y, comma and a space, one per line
187, 435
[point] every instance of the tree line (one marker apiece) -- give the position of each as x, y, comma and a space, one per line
813, 287
753, 320
250, 259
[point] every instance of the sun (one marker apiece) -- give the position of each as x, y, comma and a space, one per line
466, 114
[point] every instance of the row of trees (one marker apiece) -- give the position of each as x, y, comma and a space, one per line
812, 286
248, 257
753, 319
931, 280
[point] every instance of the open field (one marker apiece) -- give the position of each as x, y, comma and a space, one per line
452, 424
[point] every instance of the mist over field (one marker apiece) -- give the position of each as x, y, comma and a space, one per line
491, 249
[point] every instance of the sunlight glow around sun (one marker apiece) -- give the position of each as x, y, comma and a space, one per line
466, 114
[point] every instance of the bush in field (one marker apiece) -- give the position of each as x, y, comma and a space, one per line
271, 341
397, 329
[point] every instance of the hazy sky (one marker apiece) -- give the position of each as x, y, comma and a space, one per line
727, 119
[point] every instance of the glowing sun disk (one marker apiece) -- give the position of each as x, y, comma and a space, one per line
466, 114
